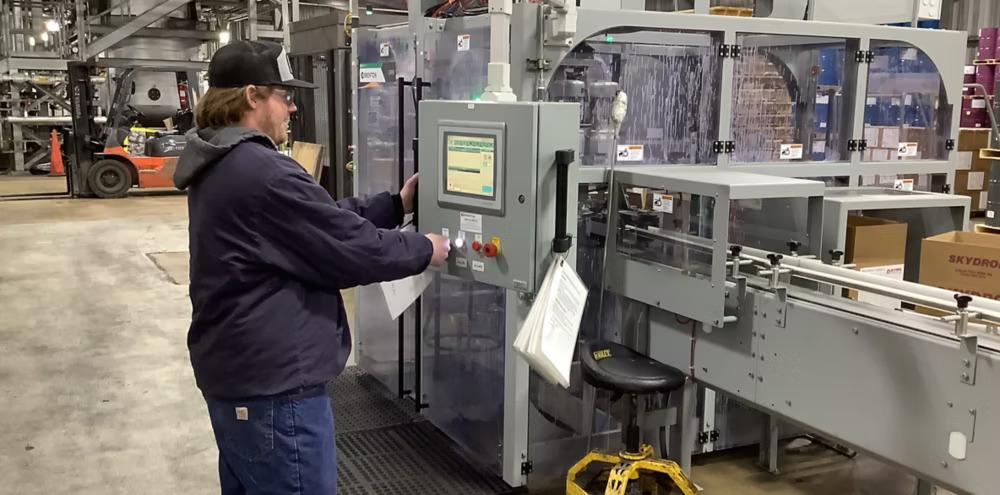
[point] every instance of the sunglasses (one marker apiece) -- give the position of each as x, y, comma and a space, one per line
287, 95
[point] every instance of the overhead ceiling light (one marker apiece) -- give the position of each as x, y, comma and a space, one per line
52, 26
45, 37
224, 37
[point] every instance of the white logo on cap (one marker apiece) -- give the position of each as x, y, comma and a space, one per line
284, 70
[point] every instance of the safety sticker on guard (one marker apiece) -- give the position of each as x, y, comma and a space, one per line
630, 152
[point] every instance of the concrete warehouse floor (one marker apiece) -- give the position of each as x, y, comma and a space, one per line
95, 375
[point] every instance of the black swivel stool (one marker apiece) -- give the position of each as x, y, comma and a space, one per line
621, 370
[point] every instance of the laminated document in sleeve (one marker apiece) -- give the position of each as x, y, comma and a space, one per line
548, 337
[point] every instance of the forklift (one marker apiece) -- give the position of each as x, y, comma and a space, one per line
108, 161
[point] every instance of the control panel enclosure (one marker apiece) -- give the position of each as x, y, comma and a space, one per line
488, 183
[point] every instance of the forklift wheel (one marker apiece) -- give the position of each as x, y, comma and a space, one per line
110, 179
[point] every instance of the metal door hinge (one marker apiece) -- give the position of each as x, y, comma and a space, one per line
949, 144
720, 147
730, 51
857, 145
946, 189
526, 468
538, 65
708, 436
864, 56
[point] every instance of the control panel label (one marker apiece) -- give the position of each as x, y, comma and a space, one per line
478, 266
663, 202
461, 262
903, 184
630, 152
470, 222
791, 151
464, 42
383, 49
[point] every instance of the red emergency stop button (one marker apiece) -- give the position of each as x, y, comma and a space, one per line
476, 245
491, 249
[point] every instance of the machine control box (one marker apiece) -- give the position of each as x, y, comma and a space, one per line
488, 183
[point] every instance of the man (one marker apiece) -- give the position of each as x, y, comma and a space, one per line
270, 252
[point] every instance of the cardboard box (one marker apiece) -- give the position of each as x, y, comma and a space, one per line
973, 139
876, 246
966, 262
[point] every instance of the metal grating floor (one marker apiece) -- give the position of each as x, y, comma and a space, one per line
383, 448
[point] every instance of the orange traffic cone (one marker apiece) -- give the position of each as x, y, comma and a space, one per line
56, 164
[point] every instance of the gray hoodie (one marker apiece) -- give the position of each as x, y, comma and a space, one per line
205, 147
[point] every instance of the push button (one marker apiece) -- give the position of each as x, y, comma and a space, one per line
476, 245
491, 249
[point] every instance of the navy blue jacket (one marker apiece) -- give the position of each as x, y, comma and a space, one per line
270, 251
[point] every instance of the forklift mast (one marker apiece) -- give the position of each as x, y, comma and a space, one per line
84, 129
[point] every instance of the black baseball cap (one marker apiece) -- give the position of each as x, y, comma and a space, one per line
261, 63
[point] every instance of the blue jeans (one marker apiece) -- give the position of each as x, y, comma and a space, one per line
276, 445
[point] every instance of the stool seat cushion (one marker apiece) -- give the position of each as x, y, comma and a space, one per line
615, 367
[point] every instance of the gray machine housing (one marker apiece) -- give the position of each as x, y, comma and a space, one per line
522, 217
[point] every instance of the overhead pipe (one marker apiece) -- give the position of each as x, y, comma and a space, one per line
43, 80
42, 120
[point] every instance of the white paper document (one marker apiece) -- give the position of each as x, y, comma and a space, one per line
547, 338
400, 294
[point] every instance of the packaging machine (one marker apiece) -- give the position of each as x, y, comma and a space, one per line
707, 225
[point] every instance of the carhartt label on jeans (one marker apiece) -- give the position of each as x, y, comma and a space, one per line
242, 414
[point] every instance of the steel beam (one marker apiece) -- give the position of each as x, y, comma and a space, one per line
14, 64
128, 29
179, 65
148, 32
58, 100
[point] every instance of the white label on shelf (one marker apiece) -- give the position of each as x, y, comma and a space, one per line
461, 262
979, 103
383, 49
371, 73
910, 54
903, 184
663, 202
791, 151
819, 146
630, 152
464, 42
896, 101
976, 181
970, 70
822, 125
990, 214
871, 101
907, 149
478, 266
823, 99
470, 222
909, 99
